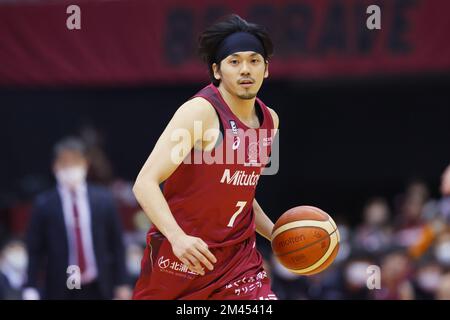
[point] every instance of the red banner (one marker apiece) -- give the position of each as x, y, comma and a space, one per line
127, 42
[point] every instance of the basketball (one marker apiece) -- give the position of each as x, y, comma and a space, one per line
305, 240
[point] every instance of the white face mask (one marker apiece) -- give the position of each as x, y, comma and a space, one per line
356, 273
71, 176
429, 280
17, 259
442, 253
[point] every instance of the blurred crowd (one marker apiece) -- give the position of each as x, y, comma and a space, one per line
406, 238
88, 218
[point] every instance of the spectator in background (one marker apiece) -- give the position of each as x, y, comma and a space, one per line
75, 224
396, 274
355, 278
410, 225
427, 278
443, 290
436, 219
418, 189
440, 209
374, 236
441, 249
444, 203
13, 265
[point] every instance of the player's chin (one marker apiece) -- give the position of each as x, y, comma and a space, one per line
247, 95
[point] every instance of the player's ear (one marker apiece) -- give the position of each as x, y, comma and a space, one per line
266, 71
216, 71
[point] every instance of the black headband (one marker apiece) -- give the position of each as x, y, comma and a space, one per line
236, 42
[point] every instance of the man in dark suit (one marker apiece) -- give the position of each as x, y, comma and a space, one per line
75, 236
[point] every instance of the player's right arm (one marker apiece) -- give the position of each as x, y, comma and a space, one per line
159, 166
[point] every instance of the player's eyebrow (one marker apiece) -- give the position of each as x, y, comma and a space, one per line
238, 55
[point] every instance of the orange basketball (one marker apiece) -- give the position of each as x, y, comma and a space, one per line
305, 240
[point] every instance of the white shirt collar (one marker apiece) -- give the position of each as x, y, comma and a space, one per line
81, 189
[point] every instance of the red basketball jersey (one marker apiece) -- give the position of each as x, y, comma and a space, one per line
215, 201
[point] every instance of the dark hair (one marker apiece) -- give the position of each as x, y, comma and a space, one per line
210, 39
69, 144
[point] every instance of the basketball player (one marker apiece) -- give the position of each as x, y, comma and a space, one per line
202, 244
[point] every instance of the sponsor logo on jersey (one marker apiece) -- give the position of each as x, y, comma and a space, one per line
173, 265
240, 178
234, 127
248, 284
163, 263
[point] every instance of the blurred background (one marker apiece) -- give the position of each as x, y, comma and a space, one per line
364, 125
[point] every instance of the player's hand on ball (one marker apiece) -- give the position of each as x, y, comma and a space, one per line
193, 252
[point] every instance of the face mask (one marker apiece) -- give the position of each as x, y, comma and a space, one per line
442, 253
429, 281
72, 176
356, 273
17, 259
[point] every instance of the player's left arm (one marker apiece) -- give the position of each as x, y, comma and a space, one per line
264, 225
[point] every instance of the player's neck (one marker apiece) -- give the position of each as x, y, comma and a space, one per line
244, 109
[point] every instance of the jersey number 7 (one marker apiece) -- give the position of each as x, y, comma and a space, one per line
241, 205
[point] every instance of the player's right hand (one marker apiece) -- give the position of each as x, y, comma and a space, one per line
193, 252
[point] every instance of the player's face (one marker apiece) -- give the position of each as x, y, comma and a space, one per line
242, 73
445, 183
